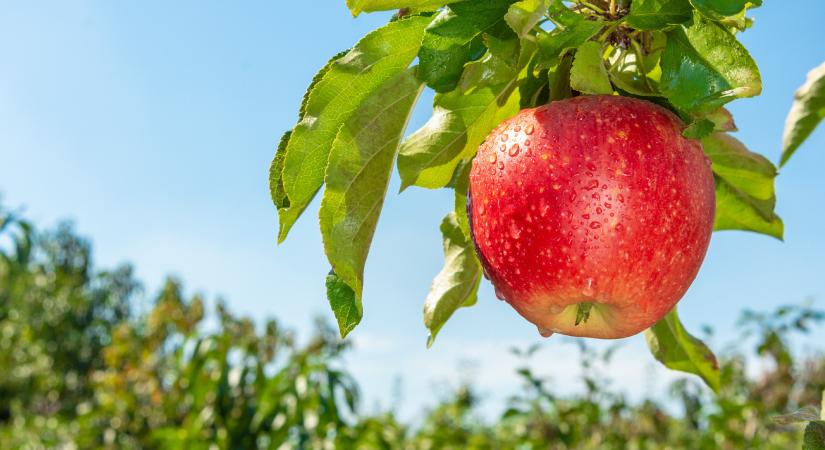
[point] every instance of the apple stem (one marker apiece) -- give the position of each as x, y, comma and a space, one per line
583, 312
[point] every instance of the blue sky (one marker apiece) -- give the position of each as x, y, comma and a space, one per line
151, 125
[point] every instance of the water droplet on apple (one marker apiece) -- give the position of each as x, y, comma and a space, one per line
501, 165
500, 295
514, 150
591, 167
515, 231
504, 137
529, 129
588, 290
607, 205
543, 207
585, 216
502, 147
620, 198
593, 184
599, 210
595, 225
545, 332
492, 158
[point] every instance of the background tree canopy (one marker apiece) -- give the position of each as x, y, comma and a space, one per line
82, 365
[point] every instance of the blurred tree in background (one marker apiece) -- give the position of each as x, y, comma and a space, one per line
81, 366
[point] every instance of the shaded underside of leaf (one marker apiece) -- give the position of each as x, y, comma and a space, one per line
276, 169
677, 349
457, 283
345, 305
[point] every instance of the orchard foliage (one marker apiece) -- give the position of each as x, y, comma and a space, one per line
486, 60
86, 363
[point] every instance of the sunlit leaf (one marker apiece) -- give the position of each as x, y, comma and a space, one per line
588, 74
572, 30
526, 14
360, 165
704, 66
358, 6
807, 112
460, 122
718, 9
658, 14
455, 37
378, 57
745, 196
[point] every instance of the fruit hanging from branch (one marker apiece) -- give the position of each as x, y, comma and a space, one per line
593, 217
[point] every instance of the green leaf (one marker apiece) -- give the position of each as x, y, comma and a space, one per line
588, 74
807, 111
658, 14
302, 111
455, 37
719, 9
704, 67
524, 15
360, 165
722, 120
378, 57
745, 196
559, 79
276, 169
814, 438
345, 305
461, 185
457, 283
674, 347
460, 122
572, 30
490, 71
358, 6
699, 129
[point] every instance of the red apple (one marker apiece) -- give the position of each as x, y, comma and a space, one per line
592, 215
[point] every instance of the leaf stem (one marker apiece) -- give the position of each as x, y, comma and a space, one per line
583, 312
591, 7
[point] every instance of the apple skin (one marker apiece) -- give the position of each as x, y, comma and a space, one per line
597, 200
